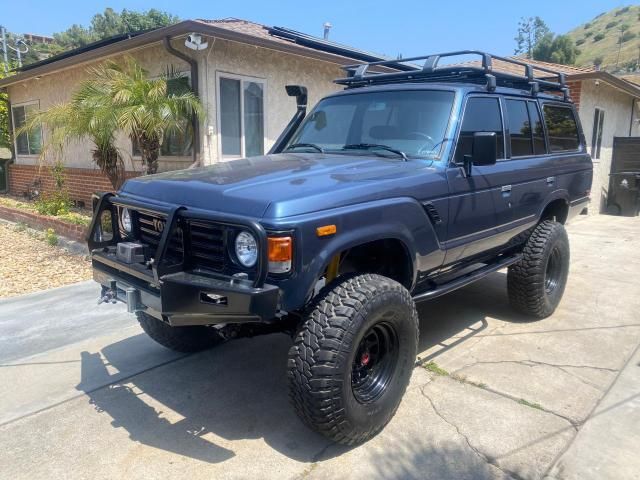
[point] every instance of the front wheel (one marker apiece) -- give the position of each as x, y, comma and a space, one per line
536, 283
353, 356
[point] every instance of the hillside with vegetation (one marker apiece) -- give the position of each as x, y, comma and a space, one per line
612, 39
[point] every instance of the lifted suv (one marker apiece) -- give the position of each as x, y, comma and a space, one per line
410, 183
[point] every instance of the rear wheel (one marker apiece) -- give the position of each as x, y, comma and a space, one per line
180, 339
537, 282
352, 358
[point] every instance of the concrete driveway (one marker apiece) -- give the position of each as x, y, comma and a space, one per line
86, 395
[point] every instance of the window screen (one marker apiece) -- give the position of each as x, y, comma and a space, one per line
482, 114
561, 128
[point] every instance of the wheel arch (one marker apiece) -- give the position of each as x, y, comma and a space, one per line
556, 207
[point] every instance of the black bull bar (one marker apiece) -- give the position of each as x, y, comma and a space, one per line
170, 291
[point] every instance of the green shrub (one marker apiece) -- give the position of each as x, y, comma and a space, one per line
587, 34
56, 203
587, 25
611, 24
580, 41
621, 11
628, 35
598, 37
50, 237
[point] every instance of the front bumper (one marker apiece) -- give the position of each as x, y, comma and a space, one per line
185, 298
176, 293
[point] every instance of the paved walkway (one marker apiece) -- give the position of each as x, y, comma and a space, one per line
85, 397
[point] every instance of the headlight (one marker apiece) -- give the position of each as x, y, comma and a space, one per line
246, 249
125, 218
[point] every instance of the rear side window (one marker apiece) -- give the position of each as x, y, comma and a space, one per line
525, 128
519, 128
482, 114
538, 131
561, 128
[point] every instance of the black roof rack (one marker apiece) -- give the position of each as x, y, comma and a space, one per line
467, 72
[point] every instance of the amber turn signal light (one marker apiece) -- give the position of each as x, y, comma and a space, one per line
280, 254
326, 230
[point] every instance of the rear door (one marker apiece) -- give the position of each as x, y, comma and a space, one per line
474, 215
527, 173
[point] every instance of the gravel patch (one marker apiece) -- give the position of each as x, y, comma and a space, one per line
28, 264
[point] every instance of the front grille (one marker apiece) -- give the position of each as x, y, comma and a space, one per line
206, 241
207, 245
150, 228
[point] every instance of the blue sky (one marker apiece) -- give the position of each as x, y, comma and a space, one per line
410, 27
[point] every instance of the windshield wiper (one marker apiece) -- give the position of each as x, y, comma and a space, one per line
373, 146
308, 145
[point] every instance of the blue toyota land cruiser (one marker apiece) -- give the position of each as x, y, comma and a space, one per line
413, 181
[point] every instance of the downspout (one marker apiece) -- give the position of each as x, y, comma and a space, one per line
11, 135
194, 87
633, 109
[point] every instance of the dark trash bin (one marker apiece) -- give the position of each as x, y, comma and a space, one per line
4, 175
624, 194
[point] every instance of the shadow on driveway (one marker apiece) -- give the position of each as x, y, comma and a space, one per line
195, 406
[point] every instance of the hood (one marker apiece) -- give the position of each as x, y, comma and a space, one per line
282, 185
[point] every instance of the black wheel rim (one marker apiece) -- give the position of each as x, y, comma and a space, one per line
554, 271
374, 363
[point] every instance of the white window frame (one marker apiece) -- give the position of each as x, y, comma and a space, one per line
13, 127
595, 131
242, 78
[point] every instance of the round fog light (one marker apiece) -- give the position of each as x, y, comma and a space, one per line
246, 249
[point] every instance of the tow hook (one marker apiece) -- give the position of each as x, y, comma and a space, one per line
109, 295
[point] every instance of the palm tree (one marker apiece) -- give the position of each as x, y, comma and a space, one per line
145, 108
85, 116
118, 97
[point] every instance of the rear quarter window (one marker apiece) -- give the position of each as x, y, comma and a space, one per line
562, 128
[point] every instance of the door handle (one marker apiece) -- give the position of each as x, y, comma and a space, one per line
551, 181
506, 190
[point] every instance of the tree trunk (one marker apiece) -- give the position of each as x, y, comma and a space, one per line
111, 164
150, 151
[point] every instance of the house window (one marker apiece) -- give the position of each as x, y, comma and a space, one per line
241, 116
27, 143
175, 143
596, 137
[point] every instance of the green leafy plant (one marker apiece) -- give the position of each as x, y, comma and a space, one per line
88, 115
556, 49
598, 36
54, 203
627, 35
433, 367
50, 237
611, 24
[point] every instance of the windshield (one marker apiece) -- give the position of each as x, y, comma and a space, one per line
413, 122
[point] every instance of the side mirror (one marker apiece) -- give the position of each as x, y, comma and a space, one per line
484, 152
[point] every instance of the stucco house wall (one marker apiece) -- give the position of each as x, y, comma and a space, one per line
276, 69
617, 107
